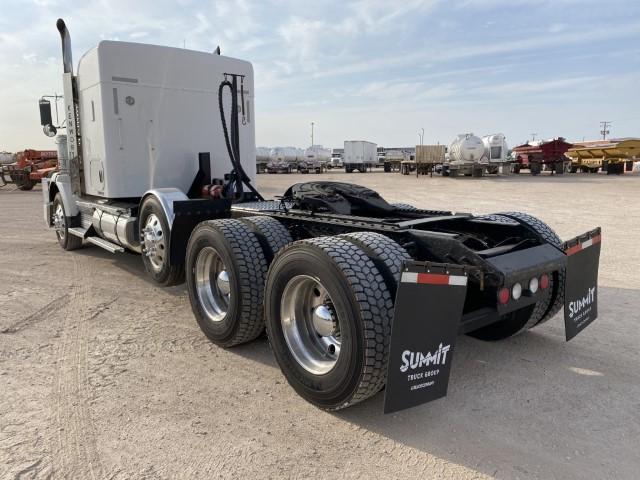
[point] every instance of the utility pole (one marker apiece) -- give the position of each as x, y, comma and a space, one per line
604, 129
312, 124
416, 154
533, 137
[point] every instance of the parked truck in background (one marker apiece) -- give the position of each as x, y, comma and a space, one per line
336, 158
359, 155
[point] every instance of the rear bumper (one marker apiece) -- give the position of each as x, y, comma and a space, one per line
521, 267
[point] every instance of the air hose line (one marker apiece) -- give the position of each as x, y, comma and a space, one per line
241, 177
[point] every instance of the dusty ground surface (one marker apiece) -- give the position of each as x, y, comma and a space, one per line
103, 375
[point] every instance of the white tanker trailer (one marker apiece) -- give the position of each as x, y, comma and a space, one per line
286, 154
466, 156
472, 155
317, 153
262, 158
496, 151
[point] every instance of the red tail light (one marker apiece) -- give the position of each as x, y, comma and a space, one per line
544, 281
504, 295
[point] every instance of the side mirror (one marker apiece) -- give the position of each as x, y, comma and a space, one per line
49, 130
45, 112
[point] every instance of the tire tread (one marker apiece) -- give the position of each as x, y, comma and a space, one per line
252, 270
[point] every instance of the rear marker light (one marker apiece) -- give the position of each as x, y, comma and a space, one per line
516, 291
544, 281
533, 285
503, 296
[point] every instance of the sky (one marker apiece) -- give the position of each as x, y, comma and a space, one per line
366, 69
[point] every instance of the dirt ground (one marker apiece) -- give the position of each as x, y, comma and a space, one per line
104, 375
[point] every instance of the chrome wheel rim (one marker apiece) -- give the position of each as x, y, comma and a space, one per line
310, 325
155, 248
212, 284
58, 221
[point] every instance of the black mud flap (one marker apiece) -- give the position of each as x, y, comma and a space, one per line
427, 316
581, 288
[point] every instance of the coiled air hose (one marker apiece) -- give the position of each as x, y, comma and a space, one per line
237, 173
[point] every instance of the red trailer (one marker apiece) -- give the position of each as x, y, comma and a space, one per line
546, 154
30, 167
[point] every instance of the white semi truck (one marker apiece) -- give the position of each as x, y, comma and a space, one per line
161, 158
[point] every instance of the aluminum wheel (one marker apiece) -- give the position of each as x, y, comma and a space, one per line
212, 284
155, 247
310, 325
59, 221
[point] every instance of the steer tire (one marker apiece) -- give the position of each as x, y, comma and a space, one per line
168, 275
67, 240
387, 255
363, 312
271, 233
245, 263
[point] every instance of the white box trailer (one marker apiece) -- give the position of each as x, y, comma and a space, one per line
359, 155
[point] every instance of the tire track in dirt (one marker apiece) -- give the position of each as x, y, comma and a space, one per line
37, 316
74, 448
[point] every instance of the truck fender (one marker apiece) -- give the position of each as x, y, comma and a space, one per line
58, 183
166, 197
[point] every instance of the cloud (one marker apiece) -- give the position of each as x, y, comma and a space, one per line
419, 61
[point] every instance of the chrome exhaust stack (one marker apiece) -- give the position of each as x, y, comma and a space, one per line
67, 59
73, 166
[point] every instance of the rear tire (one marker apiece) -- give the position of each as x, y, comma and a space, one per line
157, 238
271, 233
387, 255
67, 240
22, 180
357, 307
508, 325
27, 185
226, 272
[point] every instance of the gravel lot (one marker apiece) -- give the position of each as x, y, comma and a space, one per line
104, 375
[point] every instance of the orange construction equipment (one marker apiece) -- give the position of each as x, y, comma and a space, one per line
30, 167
